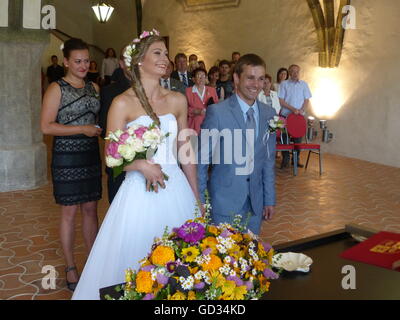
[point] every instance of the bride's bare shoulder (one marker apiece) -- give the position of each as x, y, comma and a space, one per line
124, 101
177, 101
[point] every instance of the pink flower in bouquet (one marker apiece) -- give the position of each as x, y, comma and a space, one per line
123, 137
112, 150
144, 34
139, 132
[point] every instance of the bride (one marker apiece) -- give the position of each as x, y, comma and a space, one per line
137, 215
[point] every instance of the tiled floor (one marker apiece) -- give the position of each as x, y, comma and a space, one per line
350, 191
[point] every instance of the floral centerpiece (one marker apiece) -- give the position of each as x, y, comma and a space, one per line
200, 261
134, 143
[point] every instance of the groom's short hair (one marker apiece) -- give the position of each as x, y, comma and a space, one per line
248, 60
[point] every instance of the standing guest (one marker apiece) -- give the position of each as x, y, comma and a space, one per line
199, 97
213, 76
69, 113
93, 74
110, 63
121, 83
193, 57
192, 66
54, 72
170, 83
225, 78
181, 72
294, 96
202, 65
235, 56
268, 96
282, 75
238, 187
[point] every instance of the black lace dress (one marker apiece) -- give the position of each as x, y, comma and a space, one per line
76, 164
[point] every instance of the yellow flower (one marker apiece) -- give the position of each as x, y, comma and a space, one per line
228, 287
144, 283
209, 243
190, 254
177, 296
270, 255
191, 295
214, 264
261, 251
161, 255
237, 237
214, 230
238, 293
193, 270
218, 278
259, 265
236, 252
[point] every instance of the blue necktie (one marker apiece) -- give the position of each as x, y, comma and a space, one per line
185, 81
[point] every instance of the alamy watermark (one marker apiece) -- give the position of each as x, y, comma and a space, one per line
34, 15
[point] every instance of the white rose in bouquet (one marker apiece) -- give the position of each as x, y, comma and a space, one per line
152, 138
112, 162
127, 152
137, 145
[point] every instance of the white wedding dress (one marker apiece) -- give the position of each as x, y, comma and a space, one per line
135, 217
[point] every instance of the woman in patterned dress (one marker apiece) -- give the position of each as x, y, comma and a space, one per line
69, 113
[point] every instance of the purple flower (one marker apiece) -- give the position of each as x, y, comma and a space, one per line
266, 246
269, 274
171, 266
148, 296
191, 232
206, 252
162, 279
226, 234
139, 132
199, 285
124, 137
237, 280
148, 268
249, 285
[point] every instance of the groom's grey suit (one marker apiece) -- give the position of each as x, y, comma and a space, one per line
231, 191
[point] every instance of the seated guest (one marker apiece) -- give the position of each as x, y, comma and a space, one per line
181, 74
170, 83
199, 97
213, 76
225, 79
282, 75
268, 96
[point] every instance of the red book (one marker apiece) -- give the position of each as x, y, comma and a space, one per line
382, 250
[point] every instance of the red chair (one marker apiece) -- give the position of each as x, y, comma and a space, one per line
287, 147
297, 128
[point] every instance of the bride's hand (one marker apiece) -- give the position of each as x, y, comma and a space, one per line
153, 174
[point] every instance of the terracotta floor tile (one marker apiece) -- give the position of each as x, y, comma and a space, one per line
349, 191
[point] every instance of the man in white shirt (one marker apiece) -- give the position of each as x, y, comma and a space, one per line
294, 97
170, 83
182, 74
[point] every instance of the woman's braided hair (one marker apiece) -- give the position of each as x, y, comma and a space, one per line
133, 55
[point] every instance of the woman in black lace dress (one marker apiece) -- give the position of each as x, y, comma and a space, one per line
69, 113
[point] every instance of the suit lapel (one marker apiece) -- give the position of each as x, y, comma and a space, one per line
262, 123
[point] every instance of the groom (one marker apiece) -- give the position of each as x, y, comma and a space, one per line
235, 143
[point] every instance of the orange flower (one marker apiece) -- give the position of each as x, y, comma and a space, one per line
214, 264
144, 283
237, 237
213, 230
259, 265
264, 283
191, 295
161, 255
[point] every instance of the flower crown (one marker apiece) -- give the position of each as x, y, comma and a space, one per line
131, 49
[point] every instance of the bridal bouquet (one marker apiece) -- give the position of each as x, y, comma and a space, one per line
134, 143
200, 261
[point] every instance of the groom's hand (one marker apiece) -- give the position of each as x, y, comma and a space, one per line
268, 212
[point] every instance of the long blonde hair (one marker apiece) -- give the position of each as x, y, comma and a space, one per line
141, 49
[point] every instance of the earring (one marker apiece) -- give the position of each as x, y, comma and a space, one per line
139, 63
